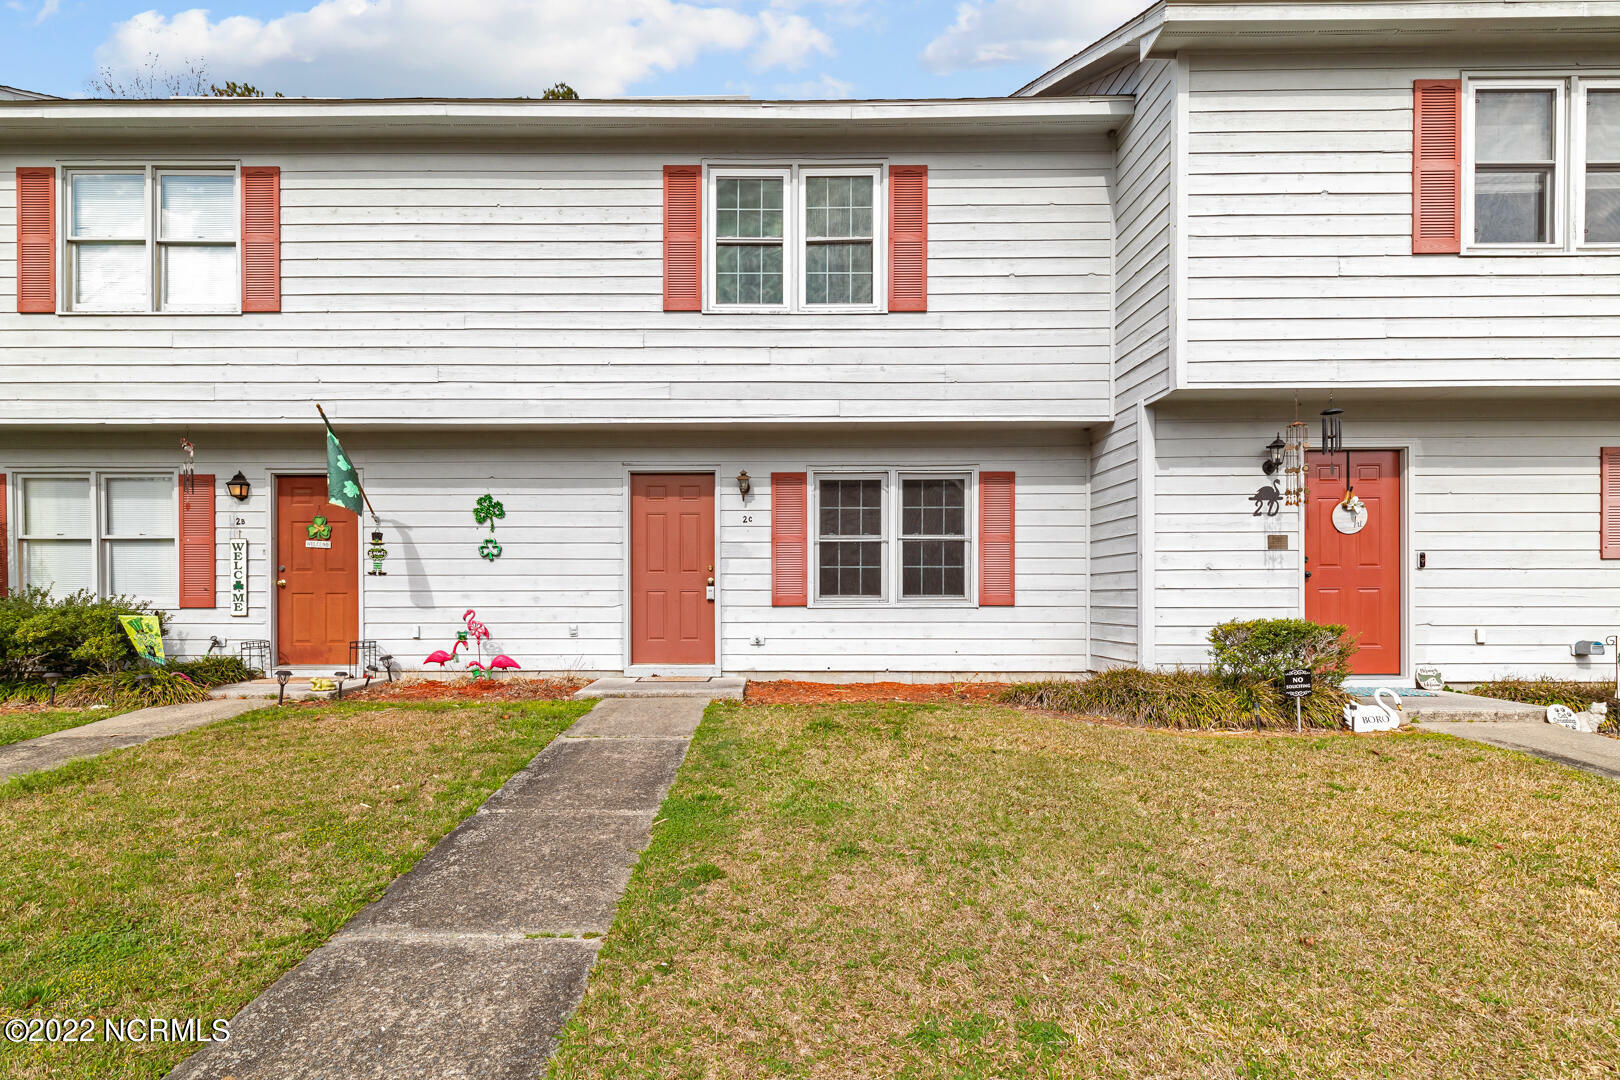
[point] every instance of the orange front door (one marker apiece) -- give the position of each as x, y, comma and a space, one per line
1355, 579
672, 568
318, 574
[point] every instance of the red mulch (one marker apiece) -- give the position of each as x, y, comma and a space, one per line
502, 688
789, 692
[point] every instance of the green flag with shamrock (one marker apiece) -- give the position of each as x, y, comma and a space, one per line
342, 485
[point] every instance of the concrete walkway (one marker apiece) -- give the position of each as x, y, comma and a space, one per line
126, 729
1594, 753
471, 963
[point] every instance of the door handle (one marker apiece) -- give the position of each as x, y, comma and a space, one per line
281, 583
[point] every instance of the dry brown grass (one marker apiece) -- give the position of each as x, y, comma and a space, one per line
181, 877
959, 891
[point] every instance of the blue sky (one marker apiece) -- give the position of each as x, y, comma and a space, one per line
763, 48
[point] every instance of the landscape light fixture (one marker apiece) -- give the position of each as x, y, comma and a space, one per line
239, 487
282, 675
744, 484
387, 662
51, 679
341, 676
1274, 455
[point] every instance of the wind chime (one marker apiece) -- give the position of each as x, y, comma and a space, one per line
1296, 448
1350, 515
188, 467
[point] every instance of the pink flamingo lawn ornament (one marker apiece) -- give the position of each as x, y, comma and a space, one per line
477, 633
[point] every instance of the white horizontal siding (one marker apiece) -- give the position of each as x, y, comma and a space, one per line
1115, 544
469, 286
1298, 240
565, 535
1503, 500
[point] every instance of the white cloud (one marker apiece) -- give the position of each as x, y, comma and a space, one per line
789, 41
461, 47
46, 10
988, 34
825, 88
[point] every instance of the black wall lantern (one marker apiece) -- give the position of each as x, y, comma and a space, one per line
1274, 455
239, 487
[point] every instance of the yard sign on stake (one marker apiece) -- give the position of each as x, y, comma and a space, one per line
1297, 685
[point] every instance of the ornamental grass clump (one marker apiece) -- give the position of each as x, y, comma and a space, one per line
1551, 691
1241, 692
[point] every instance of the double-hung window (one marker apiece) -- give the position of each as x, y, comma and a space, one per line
795, 238
1541, 164
891, 536
152, 239
110, 533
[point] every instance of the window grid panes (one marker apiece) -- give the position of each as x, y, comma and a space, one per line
1602, 205
850, 538
838, 239
933, 537
130, 519
749, 217
1515, 165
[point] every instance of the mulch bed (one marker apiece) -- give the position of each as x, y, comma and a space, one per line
502, 688
791, 692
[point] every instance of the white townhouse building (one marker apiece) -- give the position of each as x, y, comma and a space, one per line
925, 388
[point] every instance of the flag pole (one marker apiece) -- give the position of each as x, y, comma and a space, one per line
357, 483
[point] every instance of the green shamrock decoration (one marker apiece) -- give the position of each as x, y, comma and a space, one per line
489, 549
319, 529
487, 510
351, 489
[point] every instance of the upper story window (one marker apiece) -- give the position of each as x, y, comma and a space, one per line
1542, 164
152, 239
795, 238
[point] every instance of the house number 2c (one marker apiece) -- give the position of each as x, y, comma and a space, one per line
748, 519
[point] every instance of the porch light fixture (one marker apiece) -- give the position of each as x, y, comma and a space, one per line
1274, 455
744, 484
239, 487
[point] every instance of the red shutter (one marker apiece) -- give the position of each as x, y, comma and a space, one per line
996, 539
908, 238
5, 539
1436, 166
261, 239
1609, 513
36, 241
683, 238
790, 539
197, 542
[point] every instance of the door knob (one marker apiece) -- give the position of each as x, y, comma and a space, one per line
281, 583
711, 581
1307, 575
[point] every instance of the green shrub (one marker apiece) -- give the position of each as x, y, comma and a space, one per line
74, 635
215, 670
1183, 700
1550, 691
1260, 650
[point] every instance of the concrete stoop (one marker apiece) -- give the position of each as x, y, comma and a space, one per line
1450, 706
708, 688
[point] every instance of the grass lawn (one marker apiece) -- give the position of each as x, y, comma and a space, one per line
181, 877
960, 891
19, 724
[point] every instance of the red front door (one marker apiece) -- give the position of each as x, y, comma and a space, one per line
1355, 579
317, 574
672, 568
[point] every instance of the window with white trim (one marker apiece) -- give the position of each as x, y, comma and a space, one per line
795, 238
899, 535
1541, 163
109, 533
148, 238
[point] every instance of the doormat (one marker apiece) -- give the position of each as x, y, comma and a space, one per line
1398, 691
674, 678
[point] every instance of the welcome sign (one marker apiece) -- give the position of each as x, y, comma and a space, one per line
239, 572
